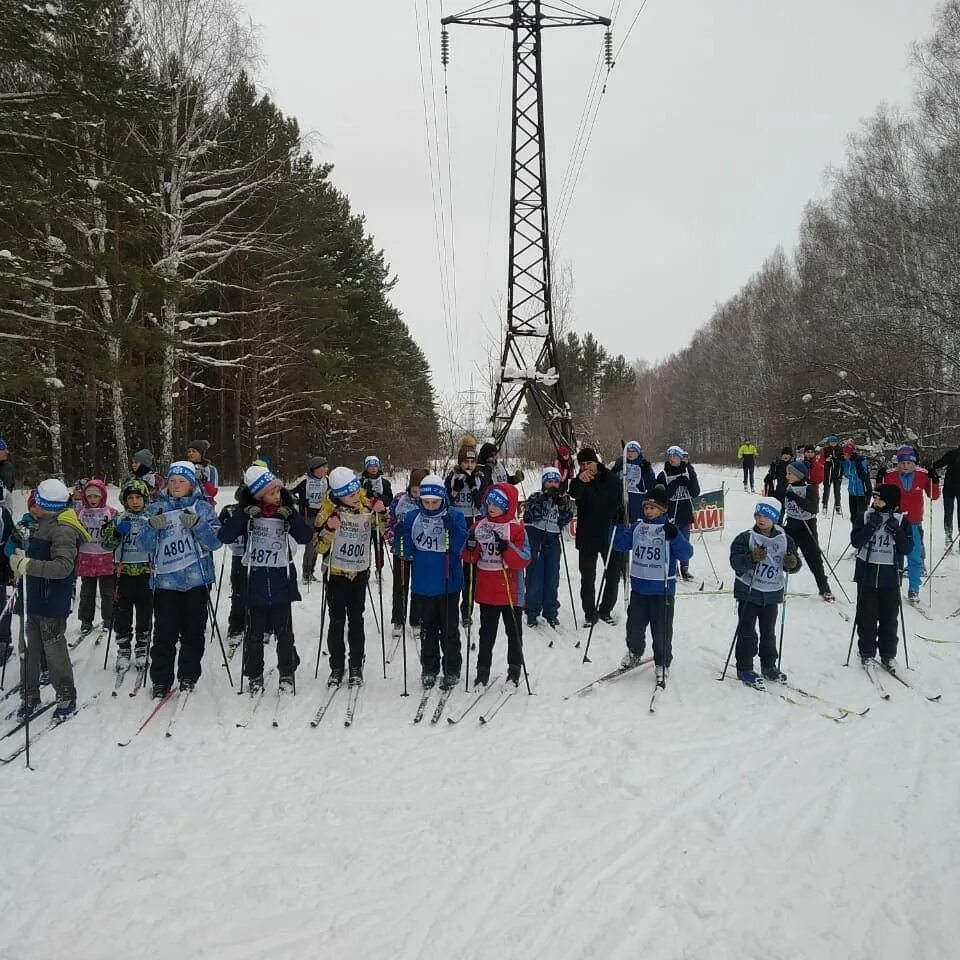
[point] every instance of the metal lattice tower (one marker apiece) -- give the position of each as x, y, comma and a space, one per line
528, 363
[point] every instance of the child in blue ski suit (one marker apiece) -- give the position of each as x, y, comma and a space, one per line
545, 516
655, 545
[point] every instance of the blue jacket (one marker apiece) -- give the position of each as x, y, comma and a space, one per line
267, 586
858, 476
435, 572
742, 564
678, 549
201, 540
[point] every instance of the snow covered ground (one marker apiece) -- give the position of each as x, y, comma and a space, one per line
730, 824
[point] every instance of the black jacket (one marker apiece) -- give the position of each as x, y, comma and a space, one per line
673, 478
775, 482
881, 576
951, 461
377, 487
597, 505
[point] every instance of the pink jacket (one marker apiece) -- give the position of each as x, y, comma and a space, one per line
95, 560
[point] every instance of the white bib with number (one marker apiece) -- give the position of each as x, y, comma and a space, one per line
767, 576
351, 545
794, 510
463, 500
266, 543
881, 549
429, 534
649, 557
682, 491
485, 533
316, 490
94, 519
175, 546
633, 477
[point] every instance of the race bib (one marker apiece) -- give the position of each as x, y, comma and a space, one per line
682, 492
429, 534
649, 557
767, 577
794, 510
94, 519
316, 490
175, 546
881, 549
463, 501
351, 545
266, 543
632, 475
487, 544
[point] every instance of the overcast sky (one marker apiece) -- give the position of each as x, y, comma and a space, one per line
718, 122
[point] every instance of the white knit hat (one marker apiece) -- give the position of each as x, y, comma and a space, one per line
52, 495
259, 480
343, 482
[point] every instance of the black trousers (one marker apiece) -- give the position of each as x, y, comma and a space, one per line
877, 612
134, 596
178, 617
237, 620
588, 561
468, 600
402, 572
657, 613
804, 532
748, 466
277, 620
490, 616
750, 615
440, 632
858, 506
87, 608
346, 599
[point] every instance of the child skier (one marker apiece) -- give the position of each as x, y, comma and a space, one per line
6, 579
400, 506
492, 470
682, 485
637, 475
95, 563
49, 564
656, 544
374, 482
310, 493
464, 483
801, 500
759, 558
141, 468
882, 537
433, 538
497, 544
180, 535
132, 574
208, 479
545, 516
267, 514
913, 483
343, 531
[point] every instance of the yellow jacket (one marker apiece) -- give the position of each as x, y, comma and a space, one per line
747, 450
323, 536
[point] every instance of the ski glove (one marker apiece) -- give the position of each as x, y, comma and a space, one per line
159, 522
892, 525
758, 554
253, 511
875, 521
123, 527
790, 562
471, 543
188, 520
284, 513
19, 563
502, 546
670, 530
502, 530
681, 481
519, 477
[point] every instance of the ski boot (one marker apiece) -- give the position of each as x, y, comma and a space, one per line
554, 622
913, 597
267, 637
750, 678
65, 709
482, 678
234, 640
466, 619
123, 657
868, 662
336, 677
160, 690
449, 681
609, 619
685, 573
630, 660
188, 686
286, 683
44, 678
140, 653
86, 627
774, 673
889, 664
256, 685
355, 676
396, 631
827, 596
428, 680
532, 621
513, 674
661, 674
29, 708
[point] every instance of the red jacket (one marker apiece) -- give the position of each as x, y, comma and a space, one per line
911, 501
494, 570
815, 467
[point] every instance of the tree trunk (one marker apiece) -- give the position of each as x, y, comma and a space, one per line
54, 429
168, 378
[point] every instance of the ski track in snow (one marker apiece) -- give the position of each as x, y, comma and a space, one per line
728, 825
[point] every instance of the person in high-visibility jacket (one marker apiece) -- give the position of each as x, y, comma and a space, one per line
747, 455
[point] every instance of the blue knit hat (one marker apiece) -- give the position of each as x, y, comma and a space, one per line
634, 445
371, 461
906, 454
183, 468
432, 486
550, 473
676, 451
799, 468
498, 498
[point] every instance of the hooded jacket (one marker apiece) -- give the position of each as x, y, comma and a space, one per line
498, 580
51, 573
181, 561
95, 558
911, 498
266, 586
434, 540
633, 539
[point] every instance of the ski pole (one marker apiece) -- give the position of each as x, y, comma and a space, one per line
373, 608
23, 669
247, 625
783, 616
733, 641
216, 628
603, 578
903, 626
7, 612
383, 640
470, 576
833, 514
710, 560
573, 609
403, 628
516, 627
116, 597
930, 575
946, 553
223, 566
323, 613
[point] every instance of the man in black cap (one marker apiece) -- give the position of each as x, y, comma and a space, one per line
599, 498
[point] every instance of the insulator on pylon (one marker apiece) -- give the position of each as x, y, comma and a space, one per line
444, 47
608, 49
